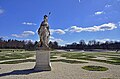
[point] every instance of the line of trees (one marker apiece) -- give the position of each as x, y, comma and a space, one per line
82, 45
93, 44
27, 45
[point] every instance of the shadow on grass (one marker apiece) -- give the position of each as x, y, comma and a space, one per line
20, 72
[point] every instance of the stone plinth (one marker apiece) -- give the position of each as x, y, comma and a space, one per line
42, 60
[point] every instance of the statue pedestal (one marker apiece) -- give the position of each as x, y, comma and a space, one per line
42, 60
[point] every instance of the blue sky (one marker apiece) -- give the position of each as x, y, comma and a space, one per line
70, 20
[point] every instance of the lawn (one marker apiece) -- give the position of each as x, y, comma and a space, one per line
95, 68
33, 60
108, 57
15, 54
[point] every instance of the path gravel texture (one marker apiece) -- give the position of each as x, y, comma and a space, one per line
60, 70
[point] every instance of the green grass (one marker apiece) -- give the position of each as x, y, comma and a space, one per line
68, 61
18, 61
112, 57
77, 56
115, 60
106, 61
33, 60
110, 54
52, 57
53, 54
95, 68
12, 50
107, 78
90, 56
8, 55
56, 53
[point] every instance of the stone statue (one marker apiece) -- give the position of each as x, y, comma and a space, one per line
44, 33
43, 50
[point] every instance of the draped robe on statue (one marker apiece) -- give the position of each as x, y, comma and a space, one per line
44, 34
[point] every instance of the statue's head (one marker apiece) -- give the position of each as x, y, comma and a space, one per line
45, 17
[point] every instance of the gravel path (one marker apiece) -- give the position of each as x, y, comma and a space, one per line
60, 70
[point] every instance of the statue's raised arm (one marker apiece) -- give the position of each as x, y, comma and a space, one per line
44, 33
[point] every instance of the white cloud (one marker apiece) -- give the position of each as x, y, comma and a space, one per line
104, 40
55, 39
107, 6
66, 30
59, 31
103, 27
79, 1
28, 23
51, 37
76, 29
29, 32
119, 23
99, 12
1, 11
27, 40
3, 37
51, 31
24, 34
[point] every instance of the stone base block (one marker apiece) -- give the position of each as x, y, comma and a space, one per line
42, 61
